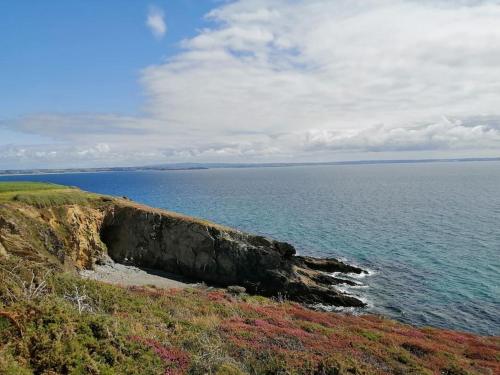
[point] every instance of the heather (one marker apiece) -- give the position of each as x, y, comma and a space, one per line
53, 323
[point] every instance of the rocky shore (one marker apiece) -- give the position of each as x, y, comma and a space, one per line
61, 248
81, 236
222, 256
127, 276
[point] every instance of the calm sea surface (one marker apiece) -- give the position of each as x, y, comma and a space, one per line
429, 233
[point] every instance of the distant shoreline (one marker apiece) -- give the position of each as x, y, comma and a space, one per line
204, 166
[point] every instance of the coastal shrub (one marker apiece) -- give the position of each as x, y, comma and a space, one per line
416, 349
370, 335
145, 330
58, 339
229, 369
23, 281
10, 366
175, 360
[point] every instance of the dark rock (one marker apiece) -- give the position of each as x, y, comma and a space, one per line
236, 289
104, 260
218, 255
9, 225
327, 265
323, 278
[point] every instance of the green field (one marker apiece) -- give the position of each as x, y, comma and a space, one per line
42, 194
22, 186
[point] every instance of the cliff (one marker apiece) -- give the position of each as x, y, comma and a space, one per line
79, 235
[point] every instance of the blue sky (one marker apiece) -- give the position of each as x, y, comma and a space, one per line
103, 83
84, 55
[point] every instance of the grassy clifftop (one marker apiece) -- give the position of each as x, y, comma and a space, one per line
42, 194
53, 322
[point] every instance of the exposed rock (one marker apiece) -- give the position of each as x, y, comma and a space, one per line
120, 274
236, 289
327, 265
119, 230
324, 278
67, 235
84, 225
218, 255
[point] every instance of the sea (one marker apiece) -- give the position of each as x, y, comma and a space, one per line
428, 233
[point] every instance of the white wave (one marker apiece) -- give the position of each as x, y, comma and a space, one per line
353, 275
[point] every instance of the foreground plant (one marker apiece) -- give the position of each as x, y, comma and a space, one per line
86, 327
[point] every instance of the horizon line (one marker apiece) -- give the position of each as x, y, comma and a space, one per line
220, 165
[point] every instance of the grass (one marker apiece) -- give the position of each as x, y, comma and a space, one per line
207, 331
40, 194
16, 187
43, 195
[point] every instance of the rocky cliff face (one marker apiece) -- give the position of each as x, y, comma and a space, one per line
219, 255
67, 236
78, 236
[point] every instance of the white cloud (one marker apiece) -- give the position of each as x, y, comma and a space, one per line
156, 22
443, 135
312, 80
290, 65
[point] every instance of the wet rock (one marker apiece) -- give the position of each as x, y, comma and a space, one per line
323, 278
327, 265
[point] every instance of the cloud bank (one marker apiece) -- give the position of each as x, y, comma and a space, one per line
288, 80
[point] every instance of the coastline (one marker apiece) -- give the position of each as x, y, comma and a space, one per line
126, 317
205, 166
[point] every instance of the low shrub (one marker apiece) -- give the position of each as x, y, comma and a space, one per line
85, 327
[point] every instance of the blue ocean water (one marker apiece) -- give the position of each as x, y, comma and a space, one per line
429, 233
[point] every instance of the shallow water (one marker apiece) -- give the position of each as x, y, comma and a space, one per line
429, 233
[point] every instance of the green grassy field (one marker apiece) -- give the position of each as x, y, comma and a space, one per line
21, 186
42, 194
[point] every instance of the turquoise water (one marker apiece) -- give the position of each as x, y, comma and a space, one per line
429, 233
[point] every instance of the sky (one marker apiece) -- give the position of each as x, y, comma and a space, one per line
91, 83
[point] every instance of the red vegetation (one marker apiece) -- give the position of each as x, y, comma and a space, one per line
176, 360
317, 342
218, 296
379, 345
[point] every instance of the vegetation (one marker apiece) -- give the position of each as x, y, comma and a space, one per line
45, 195
19, 186
78, 326
41, 195
52, 322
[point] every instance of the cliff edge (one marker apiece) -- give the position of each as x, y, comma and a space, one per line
57, 322
75, 230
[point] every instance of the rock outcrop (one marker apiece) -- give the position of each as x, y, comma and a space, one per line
218, 255
78, 236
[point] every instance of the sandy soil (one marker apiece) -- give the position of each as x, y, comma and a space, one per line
130, 276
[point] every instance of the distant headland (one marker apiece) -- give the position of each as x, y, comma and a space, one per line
198, 166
